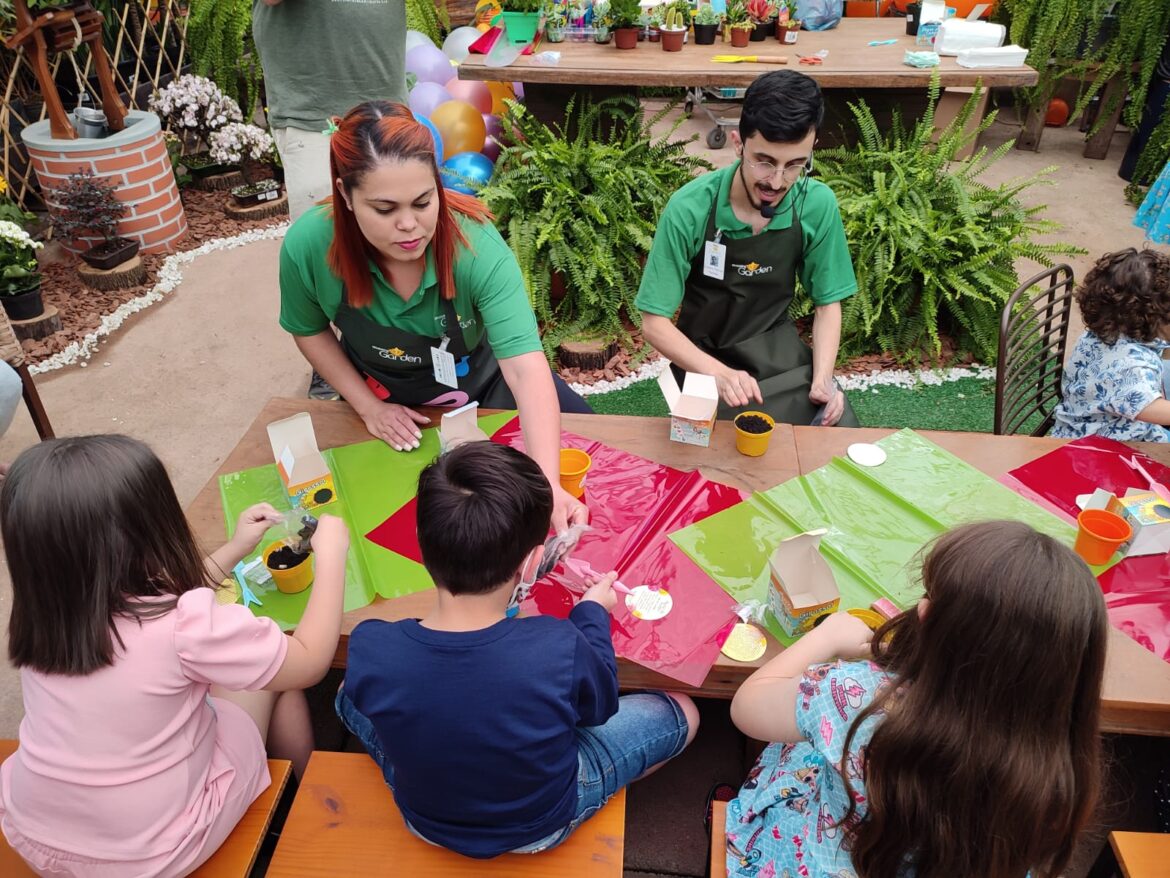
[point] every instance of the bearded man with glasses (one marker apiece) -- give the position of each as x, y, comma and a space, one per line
727, 254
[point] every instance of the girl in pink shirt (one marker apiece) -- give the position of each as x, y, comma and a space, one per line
147, 704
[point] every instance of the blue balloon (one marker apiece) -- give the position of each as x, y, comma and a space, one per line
467, 172
435, 134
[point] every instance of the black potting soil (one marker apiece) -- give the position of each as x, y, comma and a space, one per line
752, 424
285, 559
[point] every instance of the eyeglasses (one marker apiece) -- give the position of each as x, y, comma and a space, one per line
789, 173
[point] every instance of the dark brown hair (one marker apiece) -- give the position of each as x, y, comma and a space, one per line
375, 132
91, 526
987, 762
1127, 293
482, 508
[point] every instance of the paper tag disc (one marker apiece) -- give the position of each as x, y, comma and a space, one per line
865, 454
648, 603
745, 643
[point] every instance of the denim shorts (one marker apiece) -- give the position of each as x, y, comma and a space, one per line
648, 728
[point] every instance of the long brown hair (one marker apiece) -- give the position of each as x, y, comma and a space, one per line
987, 762
91, 526
371, 133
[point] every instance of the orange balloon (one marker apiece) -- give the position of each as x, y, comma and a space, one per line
500, 92
461, 127
474, 93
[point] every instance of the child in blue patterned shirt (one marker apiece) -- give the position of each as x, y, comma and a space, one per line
959, 740
1114, 382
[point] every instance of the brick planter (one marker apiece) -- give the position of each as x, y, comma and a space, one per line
135, 159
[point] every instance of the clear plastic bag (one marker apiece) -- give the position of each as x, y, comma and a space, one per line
819, 14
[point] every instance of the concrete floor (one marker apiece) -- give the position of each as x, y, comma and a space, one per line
190, 374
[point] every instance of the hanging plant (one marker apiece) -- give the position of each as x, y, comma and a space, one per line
219, 34
427, 17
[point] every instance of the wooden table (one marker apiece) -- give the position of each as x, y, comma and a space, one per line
850, 63
1136, 695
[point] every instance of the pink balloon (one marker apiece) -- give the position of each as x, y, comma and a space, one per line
475, 93
429, 65
491, 146
425, 96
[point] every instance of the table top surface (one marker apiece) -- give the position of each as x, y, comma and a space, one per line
851, 63
1136, 692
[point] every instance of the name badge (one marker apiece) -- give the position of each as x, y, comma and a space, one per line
444, 364
714, 257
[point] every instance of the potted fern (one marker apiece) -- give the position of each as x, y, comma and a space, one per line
706, 25
86, 207
739, 24
935, 246
675, 20
624, 16
581, 200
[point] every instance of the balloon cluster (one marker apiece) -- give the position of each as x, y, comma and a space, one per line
463, 116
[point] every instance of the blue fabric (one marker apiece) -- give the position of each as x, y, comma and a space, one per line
477, 730
819, 14
1154, 214
1105, 388
783, 823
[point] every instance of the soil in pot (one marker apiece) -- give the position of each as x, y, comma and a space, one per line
752, 424
110, 254
257, 193
626, 38
672, 40
739, 38
705, 34
24, 306
286, 558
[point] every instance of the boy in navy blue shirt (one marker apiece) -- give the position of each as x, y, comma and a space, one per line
499, 734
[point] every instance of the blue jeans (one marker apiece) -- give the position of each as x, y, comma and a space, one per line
648, 728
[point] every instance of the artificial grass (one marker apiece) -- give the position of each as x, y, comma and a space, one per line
967, 404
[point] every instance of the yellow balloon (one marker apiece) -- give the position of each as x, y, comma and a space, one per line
501, 91
461, 127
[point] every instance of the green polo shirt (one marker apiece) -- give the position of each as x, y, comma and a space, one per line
489, 289
827, 272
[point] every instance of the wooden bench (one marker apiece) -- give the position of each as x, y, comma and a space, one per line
1142, 854
235, 857
718, 865
344, 821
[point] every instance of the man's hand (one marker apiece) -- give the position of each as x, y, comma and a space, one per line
738, 388
832, 397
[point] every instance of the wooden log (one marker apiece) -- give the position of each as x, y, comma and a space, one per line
218, 182
586, 354
263, 210
131, 273
39, 327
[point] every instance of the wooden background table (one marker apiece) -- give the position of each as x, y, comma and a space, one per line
1136, 693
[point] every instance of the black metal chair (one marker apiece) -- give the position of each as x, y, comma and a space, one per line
1033, 337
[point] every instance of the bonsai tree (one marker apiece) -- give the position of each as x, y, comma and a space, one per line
194, 108
18, 260
88, 207
246, 145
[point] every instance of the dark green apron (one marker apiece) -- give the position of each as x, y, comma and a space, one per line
397, 364
742, 320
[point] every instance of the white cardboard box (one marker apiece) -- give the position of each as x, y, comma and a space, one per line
1146, 513
692, 408
460, 425
307, 479
802, 586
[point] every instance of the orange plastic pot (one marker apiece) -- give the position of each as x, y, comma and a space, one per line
740, 37
1099, 534
575, 464
753, 444
294, 579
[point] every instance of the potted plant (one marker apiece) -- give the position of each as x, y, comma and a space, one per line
521, 18
762, 14
602, 22
555, 21
579, 20
675, 21
739, 24
624, 17
787, 26
706, 25
20, 279
239, 143
86, 207
193, 107
653, 24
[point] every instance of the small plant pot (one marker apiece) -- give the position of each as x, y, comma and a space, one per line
626, 37
289, 578
788, 33
654, 35
705, 34
753, 432
257, 193
912, 12
602, 36
761, 32
574, 465
554, 34
740, 37
672, 40
200, 165
24, 306
110, 254
521, 26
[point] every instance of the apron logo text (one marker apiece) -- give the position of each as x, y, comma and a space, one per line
752, 269
398, 355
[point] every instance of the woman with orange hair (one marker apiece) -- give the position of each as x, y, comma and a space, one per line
397, 263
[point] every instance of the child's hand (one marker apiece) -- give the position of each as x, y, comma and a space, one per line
847, 636
252, 524
331, 539
601, 591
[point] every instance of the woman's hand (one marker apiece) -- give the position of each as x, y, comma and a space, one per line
396, 425
832, 397
567, 510
738, 388
252, 525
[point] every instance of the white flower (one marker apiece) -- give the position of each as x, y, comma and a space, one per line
195, 103
237, 141
11, 233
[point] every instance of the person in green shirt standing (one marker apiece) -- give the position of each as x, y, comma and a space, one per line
729, 248
429, 300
